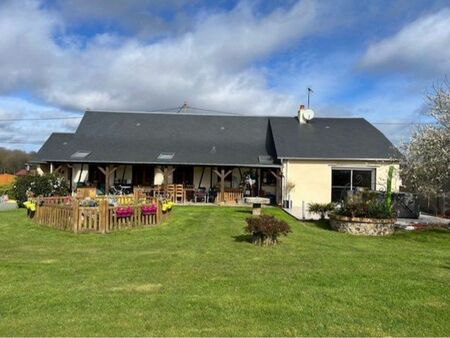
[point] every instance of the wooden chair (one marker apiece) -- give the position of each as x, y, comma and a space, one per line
179, 193
171, 192
157, 191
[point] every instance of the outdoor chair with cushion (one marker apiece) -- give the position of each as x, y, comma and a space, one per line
200, 195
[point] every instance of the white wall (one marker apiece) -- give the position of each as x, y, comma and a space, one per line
76, 169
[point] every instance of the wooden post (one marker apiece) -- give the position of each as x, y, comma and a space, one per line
158, 211
103, 216
107, 171
279, 177
166, 173
222, 175
76, 215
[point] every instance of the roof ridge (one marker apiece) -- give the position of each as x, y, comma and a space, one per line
137, 112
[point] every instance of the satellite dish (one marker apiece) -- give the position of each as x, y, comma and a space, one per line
308, 114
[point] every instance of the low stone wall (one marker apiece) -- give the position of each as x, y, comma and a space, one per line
362, 226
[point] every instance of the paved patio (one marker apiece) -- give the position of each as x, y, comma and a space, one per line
8, 206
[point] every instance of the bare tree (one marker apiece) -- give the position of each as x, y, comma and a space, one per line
13, 160
426, 167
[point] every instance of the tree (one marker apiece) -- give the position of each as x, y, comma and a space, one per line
13, 160
426, 165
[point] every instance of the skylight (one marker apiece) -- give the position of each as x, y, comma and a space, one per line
265, 159
166, 156
80, 154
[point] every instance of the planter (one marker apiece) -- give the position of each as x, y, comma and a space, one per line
149, 209
362, 225
124, 212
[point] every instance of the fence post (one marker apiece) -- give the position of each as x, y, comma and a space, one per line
158, 211
76, 214
104, 219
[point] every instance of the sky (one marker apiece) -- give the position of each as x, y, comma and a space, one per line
371, 59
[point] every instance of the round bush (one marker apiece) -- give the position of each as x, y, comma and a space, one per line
45, 185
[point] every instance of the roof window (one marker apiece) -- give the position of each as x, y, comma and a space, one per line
166, 156
80, 154
265, 159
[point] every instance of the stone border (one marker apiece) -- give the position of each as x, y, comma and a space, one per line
362, 225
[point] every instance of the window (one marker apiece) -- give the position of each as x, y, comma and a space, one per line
343, 180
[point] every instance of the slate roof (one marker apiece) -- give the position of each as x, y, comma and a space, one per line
141, 138
110, 137
330, 138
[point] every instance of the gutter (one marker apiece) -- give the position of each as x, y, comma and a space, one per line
165, 163
338, 159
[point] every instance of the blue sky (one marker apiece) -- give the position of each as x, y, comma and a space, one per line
372, 59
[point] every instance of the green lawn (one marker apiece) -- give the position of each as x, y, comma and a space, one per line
197, 275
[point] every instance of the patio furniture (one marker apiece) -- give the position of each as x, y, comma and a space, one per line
256, 203
179, 193
212, 195
158, 191
189, 192
170, 189
200, 195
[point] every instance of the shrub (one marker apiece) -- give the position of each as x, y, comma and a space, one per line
7, 190
266, 229
378, 210
321, 209
362, 204
388, 200
45, 185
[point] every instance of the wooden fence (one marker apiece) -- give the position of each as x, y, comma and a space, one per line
231, 196
6, 179
438, 205
70, 216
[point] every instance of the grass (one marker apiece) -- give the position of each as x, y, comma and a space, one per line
197, 275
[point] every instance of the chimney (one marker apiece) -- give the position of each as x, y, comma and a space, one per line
301, 111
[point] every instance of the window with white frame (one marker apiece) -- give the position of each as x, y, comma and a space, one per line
344, 179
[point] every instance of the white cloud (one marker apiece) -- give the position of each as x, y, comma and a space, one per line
211, 65
423, 46
29, 134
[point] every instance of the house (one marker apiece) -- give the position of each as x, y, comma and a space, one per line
323, 157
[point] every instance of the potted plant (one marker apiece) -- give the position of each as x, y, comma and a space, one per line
124, 212
287, 203
149, 209
321, 209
